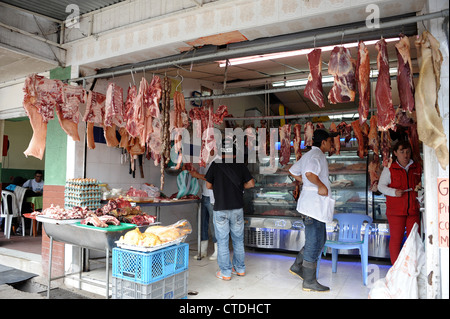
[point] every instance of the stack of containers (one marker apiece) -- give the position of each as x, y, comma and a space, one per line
82, 192
157, 274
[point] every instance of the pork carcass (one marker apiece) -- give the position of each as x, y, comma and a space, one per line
429, 122
114, 106
342, 67
285, 144
309, 133
128, 110
313, 89
41, 97
405, 83
68, 112
363, 79
374, 140
362, 135
95, 109
383, 95
297, 141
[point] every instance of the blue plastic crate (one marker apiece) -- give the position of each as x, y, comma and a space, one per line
145, 268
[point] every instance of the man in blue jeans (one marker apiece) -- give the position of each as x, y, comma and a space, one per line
316, 205
228, 181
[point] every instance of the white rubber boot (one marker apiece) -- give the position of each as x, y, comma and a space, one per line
214, 255
203, 249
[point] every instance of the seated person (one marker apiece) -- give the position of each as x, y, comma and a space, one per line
17, 181
36, 184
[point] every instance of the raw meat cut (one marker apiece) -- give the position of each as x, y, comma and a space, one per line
313, 89
95, 109
68, 112
363, 79
178, 122
309, 132
285, 144
342, 67
345, 130
165, 124
362, 135
374, 172
429, 123
405, 82
114, 106
130, 104
386, 148
297, 141
374, 140
383, 96
336, 148
41, 97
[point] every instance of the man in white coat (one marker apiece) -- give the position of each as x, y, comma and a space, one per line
317, 206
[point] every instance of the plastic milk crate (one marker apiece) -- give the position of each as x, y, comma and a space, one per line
173, 287
147, 267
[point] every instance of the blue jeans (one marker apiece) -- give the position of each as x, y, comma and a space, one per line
315, 237
226, 223
207, 216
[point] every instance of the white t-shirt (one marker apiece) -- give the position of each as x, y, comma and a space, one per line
206, 191
310, 202
35, 186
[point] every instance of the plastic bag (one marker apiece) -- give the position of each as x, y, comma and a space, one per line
406, 279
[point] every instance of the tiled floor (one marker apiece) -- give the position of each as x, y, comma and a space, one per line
267, 275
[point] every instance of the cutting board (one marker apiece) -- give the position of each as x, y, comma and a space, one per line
110, 228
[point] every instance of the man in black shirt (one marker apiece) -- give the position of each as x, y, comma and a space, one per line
228, 181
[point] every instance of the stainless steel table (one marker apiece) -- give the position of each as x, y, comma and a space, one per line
83, 237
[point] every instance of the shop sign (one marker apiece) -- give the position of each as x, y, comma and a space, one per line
443, 212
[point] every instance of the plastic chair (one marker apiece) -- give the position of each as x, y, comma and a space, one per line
9, 211
350, 226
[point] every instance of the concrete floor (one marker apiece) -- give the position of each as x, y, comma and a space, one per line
267, 275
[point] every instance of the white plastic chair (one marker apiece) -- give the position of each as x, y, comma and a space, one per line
9, 211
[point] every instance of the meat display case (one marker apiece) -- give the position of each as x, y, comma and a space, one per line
271, 218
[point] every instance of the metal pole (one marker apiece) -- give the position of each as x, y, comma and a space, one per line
252, 49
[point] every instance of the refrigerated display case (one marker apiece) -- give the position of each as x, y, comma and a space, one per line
271, 218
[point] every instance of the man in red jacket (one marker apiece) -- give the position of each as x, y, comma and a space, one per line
399, 183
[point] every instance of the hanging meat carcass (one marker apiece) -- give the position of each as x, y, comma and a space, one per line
309, 133
129, 109
95, 110
68, 112
336, 148
429, 123
385, 142
178, 123
383, 95
113, 114
405, 83
342, 67
313, 89
41, 97
363, 80
165, 126
297, 141
345, 131
285, 144
375, 170
374, 140
362, 135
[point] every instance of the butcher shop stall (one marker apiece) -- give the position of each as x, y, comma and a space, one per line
138, 125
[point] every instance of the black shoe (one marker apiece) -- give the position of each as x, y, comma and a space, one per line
310, 282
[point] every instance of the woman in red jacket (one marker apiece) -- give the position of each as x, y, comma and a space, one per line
398, 183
